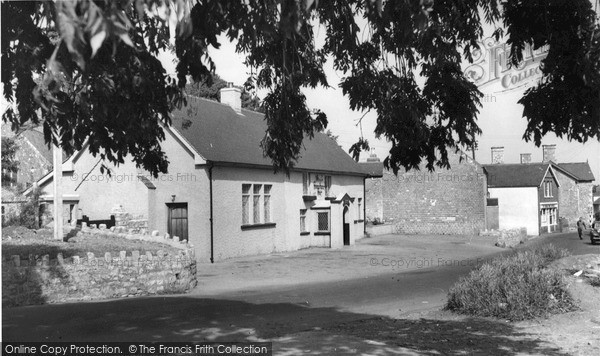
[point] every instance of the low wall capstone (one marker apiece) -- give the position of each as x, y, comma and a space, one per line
94, 231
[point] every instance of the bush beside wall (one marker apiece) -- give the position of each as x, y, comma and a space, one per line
517, 287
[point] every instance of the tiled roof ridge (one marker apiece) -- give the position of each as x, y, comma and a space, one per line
220, 103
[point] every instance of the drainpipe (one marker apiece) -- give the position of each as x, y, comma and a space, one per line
210, 180
364, 206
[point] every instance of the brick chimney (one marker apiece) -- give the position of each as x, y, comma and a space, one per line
549, 152
525, 158
232, 96
497, 155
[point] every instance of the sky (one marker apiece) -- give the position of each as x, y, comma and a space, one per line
500, 117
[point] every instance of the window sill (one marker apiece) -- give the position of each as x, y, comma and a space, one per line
304, 233
358, 221
322, 233
258, 226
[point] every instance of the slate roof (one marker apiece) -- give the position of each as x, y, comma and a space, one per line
36, 138
581, 170
515, 175
372, 169
221, 135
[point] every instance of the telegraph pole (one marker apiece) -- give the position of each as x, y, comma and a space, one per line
58, 201
474, 144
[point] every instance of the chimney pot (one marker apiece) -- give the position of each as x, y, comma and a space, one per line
373, 156
498, 155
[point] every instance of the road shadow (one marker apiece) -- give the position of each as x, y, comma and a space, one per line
293, 328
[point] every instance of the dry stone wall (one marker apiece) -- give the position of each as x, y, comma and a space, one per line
93, 231
137, 224
90, 277
507, 237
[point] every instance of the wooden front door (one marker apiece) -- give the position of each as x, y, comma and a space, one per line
178, 220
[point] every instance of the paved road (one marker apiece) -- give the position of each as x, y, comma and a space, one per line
239, 315
399, 292
569, 241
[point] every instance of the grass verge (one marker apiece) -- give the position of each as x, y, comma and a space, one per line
516, 287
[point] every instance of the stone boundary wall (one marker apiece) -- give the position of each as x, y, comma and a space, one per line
507, 237
93, 231
439, 227
45, 280
377, 230
135, 223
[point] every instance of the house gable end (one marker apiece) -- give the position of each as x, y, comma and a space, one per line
198, 158
550, 171
70, 166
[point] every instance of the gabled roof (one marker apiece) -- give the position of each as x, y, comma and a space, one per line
36, 139
580, 170
221, 135
516, 175
531, 174
68, 165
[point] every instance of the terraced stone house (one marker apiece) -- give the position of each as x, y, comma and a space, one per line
544, 197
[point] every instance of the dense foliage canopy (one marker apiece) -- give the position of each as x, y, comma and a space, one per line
210, 87
88, 70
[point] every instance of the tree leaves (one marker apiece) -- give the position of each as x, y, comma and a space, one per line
567, 99
355, 149
97, 40
210, 88
115, 103
101, 82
